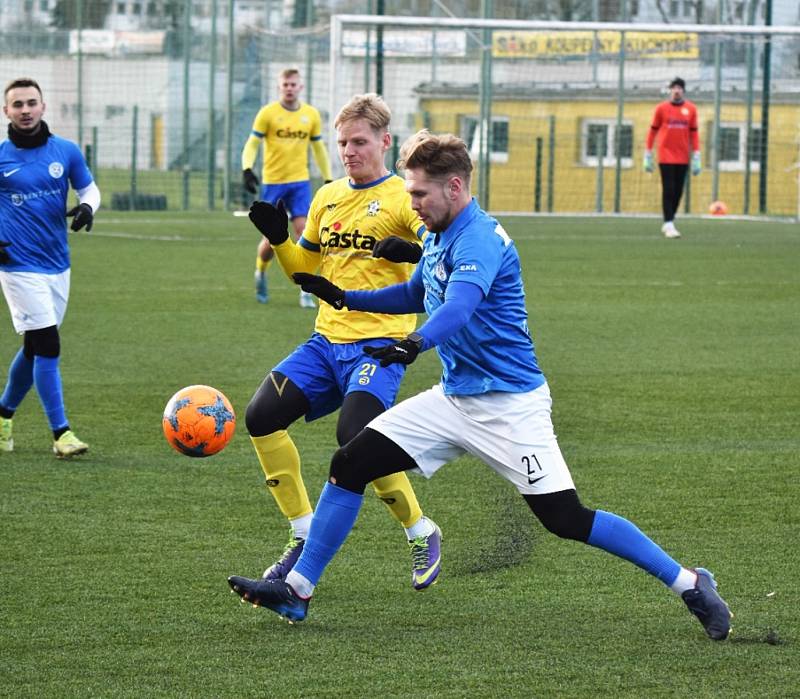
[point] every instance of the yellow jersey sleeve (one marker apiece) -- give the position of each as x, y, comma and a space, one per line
344, 224
286, 136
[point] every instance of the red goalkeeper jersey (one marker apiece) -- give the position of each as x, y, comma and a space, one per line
676, 128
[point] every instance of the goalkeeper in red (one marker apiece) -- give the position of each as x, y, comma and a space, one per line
675, 126
362, 232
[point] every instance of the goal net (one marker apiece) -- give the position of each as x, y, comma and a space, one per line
556, 114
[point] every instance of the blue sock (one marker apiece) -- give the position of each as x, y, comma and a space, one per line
334, 517
617, 535
47, 377
20, 380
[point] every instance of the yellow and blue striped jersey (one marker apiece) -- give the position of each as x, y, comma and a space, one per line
344, 224
287, 136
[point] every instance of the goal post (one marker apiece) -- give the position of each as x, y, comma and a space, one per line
556, 114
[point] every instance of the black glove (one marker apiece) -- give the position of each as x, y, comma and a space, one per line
395, 249
327, 181
271, 220
5, 258
250, 181
403, 352
83, 217
321, 288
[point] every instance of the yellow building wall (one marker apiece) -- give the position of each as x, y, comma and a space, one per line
575, 184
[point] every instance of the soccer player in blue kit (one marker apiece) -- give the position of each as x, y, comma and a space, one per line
36, 171
492, 402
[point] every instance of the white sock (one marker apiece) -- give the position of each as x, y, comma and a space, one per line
301, 525
686, 580
301, 585
422, 527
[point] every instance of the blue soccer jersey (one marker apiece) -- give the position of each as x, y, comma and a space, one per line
494, 350
34, 183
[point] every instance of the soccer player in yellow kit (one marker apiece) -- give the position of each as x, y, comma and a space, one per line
361, 232
286, 128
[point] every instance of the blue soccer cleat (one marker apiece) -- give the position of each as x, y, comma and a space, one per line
276, 595
704, 602
426, 556
262, 294
280, 569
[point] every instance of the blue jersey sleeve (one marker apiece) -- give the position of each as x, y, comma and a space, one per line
79, 174
396, 299
460, 301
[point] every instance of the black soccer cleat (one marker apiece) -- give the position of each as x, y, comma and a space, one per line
704, 602
276, 595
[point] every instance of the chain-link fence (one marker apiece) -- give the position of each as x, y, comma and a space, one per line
555, 114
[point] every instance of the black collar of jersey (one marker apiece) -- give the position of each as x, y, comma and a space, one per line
24, 140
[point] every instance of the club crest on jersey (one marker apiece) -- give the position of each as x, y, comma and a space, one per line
55, 169
373, 208
685, 111
17, 199
331, 207
440, 272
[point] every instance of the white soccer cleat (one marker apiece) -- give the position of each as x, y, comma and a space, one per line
68, 445
669, 230
307, 300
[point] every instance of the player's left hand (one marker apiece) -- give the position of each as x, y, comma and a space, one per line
327, 181
403, 352
321, 288
83, 216
395, 249
5, 258
272, 221
696, 163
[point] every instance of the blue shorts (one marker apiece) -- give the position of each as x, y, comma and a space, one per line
327, 372
296, 196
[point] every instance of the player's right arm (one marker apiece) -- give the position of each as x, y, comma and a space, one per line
658, 119
273, 224
250, 150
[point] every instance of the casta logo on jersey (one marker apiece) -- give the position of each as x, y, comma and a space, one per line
55, 169
288, 133
330, 237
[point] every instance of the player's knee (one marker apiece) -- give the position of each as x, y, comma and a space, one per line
345, 471
260, 420
44, 342
563, 514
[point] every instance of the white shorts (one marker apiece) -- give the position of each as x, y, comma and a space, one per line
35, 300
512, 432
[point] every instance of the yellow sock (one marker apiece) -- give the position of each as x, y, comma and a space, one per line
262, 266
398, 495
280, 462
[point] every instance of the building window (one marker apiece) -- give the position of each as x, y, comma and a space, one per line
733, 145
136, 9
470, 132
120, 8
595, 133
674, 8
43, 5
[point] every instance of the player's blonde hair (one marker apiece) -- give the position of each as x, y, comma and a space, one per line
370, 107
288, 73
438, 155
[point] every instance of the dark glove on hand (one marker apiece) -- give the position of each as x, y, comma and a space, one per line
396, 249
403, 352
271, 220
250, 181
321, 288
327, 181
5, 258
83, 217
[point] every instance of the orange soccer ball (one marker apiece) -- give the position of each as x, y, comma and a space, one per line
718, 208
198, 421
